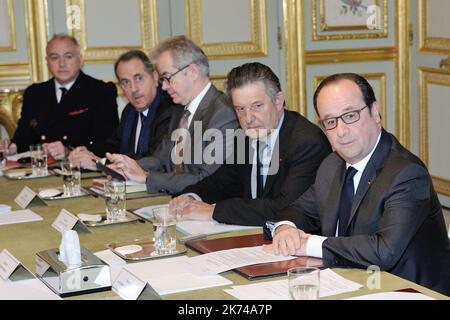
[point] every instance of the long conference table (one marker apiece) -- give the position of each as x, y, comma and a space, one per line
24, 240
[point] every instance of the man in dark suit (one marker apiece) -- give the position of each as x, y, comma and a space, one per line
292, 144
71, 109
373, 202
144, 121
179, 159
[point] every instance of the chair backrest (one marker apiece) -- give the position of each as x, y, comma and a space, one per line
10, 108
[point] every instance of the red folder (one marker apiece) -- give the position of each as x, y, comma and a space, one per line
256, 271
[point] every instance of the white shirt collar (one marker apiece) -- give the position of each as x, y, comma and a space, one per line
361, 165
67, 85
145, 112
193, 105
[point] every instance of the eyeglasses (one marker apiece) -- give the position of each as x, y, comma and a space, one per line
163, 79
137, 79
347, 118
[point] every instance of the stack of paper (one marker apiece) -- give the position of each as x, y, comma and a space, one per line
19, 217
98, 186
193, 227
330, 284
166, 276
393, 296
4, 208
32, 289
224, 260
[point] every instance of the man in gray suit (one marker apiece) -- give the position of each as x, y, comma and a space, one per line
179, 160
373, 202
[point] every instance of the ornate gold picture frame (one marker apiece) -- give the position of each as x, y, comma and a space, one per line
349, 20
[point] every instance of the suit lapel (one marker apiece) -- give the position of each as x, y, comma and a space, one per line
331, 209
369, 174
280, 153
203, 107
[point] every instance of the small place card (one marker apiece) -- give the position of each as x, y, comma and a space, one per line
11, 268
67, 221
41, 266
130, 287
27, 196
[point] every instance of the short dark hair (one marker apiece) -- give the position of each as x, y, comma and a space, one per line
135, 54
254, 72
364, 86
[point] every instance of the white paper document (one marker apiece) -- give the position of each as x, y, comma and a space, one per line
110, 258
224, 260
393, 296
169, 275
32, 289
191, 227
330, 284
18, 156
166, 276
19, 217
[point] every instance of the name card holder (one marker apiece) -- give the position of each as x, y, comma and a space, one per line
27, 197
67, 221
12, 269
130, 287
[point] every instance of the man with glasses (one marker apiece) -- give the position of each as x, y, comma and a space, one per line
144, 121
373, 202
283, 152
71, 109
178, 161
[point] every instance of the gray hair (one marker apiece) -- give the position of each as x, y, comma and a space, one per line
63, 36
183, 52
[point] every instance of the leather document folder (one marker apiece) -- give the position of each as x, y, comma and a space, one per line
256, 271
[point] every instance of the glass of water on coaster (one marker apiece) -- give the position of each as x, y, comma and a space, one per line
115, 198
38, 160
165, 230
304, 283
71, 175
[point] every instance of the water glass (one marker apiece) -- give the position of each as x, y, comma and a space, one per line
38, 160
304, 283
165, 233
71, 178
115, 198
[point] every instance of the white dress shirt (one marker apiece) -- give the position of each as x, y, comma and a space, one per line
58, 86
270, 142
193, 105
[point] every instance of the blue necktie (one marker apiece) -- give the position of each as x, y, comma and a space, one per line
345, 206
141, 141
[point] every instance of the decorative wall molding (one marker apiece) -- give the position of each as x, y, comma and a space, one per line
350, 55
428, 43
12, 27
149, 33
429, 76
256, 47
